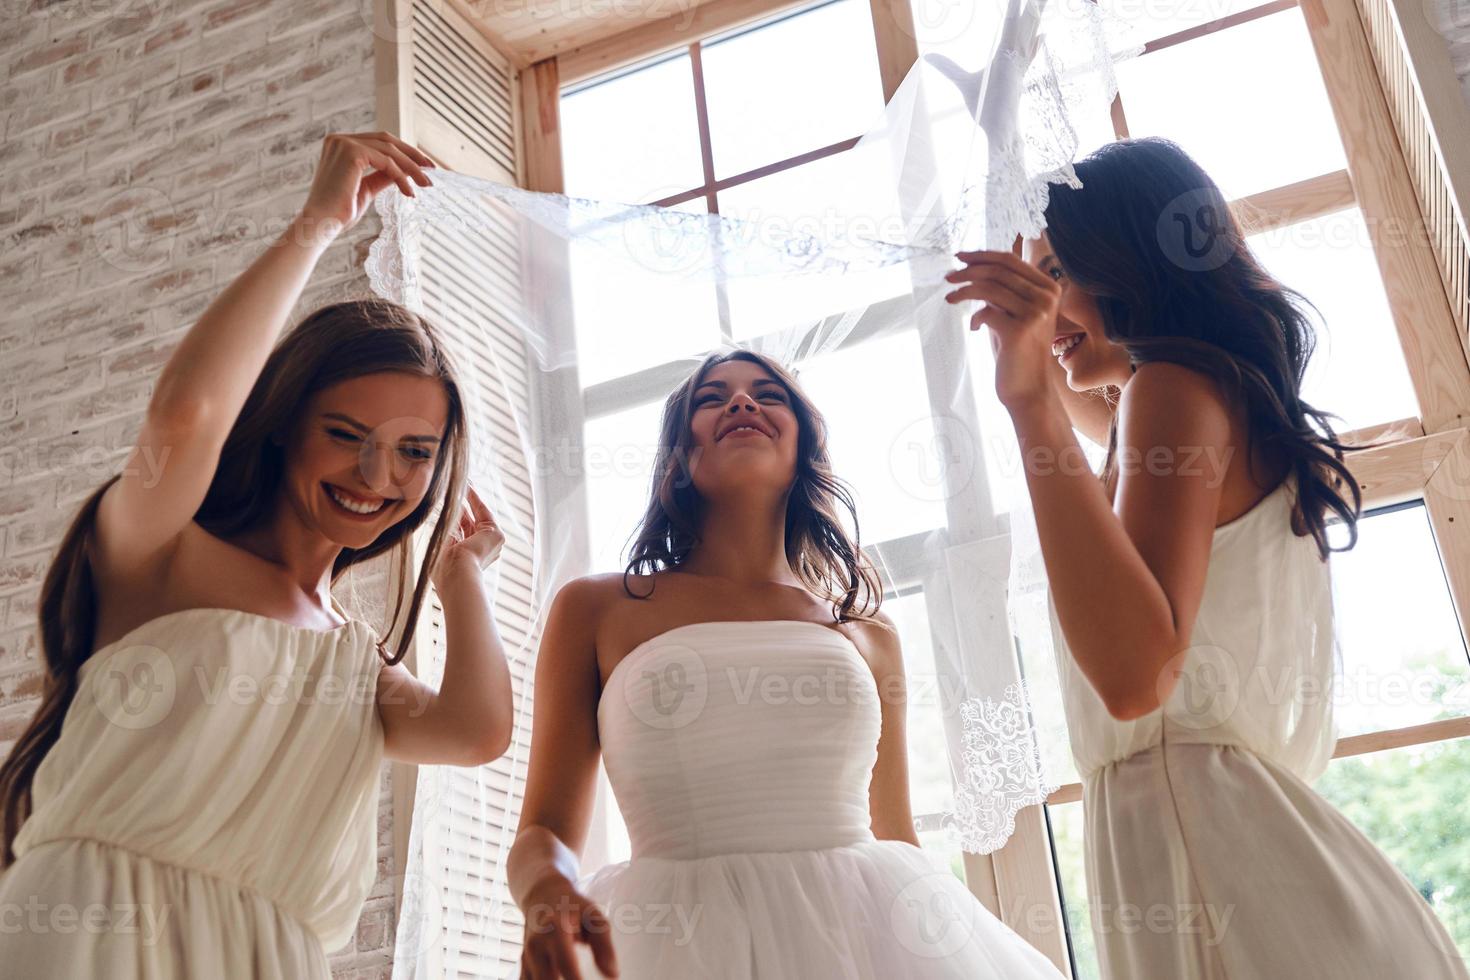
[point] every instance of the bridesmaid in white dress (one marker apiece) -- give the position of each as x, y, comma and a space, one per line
197, 794
748, 698
1191, 592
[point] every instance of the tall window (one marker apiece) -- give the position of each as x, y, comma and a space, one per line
722, 126
1270, 139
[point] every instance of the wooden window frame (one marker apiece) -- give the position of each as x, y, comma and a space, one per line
1021, 875
1429, 458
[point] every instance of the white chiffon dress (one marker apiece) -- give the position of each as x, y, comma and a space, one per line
740, 754
1201, 814
209, 810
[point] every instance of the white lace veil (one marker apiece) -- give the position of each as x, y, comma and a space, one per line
541, 289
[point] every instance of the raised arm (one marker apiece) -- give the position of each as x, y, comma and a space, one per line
204, 385
560, 785
1128, 577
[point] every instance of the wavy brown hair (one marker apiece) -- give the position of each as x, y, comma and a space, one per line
1150, 235
829, 562
333, 344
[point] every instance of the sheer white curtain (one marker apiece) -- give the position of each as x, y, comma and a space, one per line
962, 157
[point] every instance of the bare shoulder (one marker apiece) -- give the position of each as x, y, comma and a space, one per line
1165, 393
582, 602
877, 639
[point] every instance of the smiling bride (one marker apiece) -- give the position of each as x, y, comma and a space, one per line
747, 697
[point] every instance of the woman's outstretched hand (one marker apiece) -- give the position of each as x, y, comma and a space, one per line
353, 169
1021, 304
558, 917
473, 545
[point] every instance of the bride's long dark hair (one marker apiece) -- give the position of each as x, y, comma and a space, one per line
1152, 238
829, 562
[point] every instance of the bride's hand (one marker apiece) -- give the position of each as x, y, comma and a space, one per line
557, 918
473, 546
1021, 311
353, 169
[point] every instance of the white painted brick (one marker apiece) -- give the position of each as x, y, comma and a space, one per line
42, 54
189, 90
167, 37
217, 47
151, 151
136, 76
21, 609
329, 18
40, 111
66, 383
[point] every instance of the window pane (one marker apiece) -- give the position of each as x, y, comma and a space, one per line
939, 842
1066, 840
629, 317
1404, 659
1154, 19
813, 199
797, 84
633, 138
1358, 370
881, 440
618, 453
1247, 103
957, 30
1411, 803
931, 787
1003, 472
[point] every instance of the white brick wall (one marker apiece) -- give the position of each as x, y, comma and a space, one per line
151, 150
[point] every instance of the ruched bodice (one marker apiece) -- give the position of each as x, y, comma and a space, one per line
741, 753
741, 736
1260, 667
227, 755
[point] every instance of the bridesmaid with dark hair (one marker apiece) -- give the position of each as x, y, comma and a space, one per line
1190, 583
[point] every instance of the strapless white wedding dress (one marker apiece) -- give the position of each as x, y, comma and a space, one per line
740, 754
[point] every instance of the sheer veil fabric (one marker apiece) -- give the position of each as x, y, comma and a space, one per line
535, 290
